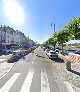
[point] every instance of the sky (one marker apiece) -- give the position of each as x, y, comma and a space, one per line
34, 17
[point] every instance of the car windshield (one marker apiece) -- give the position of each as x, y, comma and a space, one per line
53, 52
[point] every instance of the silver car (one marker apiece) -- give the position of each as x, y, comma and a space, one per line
52, 54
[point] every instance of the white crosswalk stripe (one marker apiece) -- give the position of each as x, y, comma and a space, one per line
27, 83
44, 82
26, 86
9, 83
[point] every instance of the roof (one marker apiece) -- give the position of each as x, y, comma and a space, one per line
73, 42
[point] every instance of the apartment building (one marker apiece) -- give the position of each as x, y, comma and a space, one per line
11, 38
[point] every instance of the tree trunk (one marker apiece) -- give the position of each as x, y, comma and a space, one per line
62, 48
54, 46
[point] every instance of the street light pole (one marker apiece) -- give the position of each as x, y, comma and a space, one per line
54, 32
54, 28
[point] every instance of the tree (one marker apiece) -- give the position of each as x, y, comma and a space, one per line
55, 38
52, 41
74, 28
63, 36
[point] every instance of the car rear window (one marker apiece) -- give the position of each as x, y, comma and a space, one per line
53, 52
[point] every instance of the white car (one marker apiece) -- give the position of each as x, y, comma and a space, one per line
52, 54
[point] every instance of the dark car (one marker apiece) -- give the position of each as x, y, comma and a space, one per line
77, 52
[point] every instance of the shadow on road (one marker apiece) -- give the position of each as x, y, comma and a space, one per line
40, 56
58, 60
75, 72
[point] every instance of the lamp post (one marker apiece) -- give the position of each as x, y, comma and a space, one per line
53, 24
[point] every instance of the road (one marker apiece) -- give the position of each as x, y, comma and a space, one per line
34, 74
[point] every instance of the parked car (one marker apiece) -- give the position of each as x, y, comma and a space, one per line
77, 52
35, 47
57, 50
52, 54
44, 48
65, 52
8, 50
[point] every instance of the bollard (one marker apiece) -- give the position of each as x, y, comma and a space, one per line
68, 65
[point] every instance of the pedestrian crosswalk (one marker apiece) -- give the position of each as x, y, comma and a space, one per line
26, 85
9, 83
44, 82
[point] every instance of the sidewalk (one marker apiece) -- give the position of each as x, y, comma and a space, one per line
62, 74
5, 68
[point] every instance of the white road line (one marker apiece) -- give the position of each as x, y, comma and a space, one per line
70, 89
44, 82
27, 83
9, 83
33, 60
6, 72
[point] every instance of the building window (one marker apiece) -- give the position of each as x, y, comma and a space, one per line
4, 35
8, 41
3, 41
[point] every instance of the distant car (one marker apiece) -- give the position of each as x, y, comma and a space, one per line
77, 52
52, 54
35, 47
15, 52
8, 50
65, 52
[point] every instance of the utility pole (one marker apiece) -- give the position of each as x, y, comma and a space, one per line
54, 28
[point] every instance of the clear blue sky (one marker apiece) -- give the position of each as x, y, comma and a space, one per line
40, 13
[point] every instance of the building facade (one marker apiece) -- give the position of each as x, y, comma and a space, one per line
13, 38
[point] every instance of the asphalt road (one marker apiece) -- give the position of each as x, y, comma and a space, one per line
34, 74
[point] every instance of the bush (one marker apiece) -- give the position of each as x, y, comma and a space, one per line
11, 59
26, 51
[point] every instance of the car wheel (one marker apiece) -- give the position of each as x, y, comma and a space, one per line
49, 58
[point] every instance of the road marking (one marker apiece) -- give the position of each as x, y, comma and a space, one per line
6, 72
27, 83
9, 83
70, 89
44, 82
33, 60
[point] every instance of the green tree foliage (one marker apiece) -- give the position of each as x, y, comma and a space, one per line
74, 28
62, 37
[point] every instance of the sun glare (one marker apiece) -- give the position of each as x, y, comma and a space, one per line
14, 11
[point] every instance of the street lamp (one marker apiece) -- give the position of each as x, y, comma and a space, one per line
53, 24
